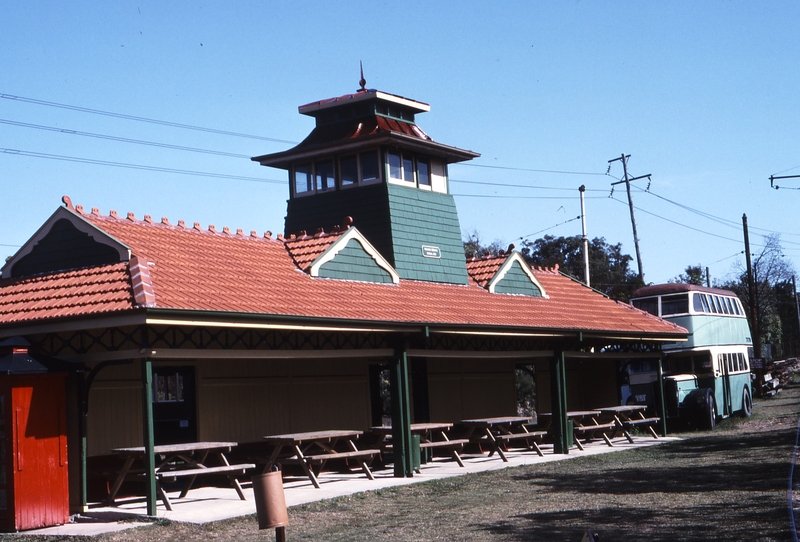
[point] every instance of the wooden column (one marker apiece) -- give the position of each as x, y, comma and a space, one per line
401, 417
663, 403
147, 436
562, 439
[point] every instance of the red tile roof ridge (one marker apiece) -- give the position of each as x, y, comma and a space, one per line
113, 216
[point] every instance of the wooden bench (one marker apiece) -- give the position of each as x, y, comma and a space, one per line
529, 437
361, 455
171, 475
586, 432
649, 422
454, 446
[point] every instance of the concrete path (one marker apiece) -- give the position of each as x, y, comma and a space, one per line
204, 505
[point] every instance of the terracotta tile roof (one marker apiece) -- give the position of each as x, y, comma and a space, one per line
80, 292
209, 270
304, 250
484, 269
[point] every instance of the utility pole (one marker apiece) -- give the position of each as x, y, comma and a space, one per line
582, 189
796, 304
708, 278
624, 158
756, 332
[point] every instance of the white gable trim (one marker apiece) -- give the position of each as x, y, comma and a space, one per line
506, 267
339, 245
80, 224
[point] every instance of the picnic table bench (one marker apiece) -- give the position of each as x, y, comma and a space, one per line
315, 448
433, 436
185, 460
629, 416
498, 431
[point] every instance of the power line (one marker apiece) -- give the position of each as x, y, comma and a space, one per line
720, 220
532, 170
120, 139
508, 185
550, 228
141, 119
678, 223
137, 166
561, 198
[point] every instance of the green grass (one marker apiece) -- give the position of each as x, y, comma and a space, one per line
729, 484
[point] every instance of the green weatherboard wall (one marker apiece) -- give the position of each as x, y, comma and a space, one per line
516, 281
353, 263
424, 218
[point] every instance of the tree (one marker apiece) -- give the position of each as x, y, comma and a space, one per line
693, 274
473, 248
772, 277
609, 268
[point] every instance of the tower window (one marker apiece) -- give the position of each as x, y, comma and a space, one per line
303, 178
370, 169
325, 179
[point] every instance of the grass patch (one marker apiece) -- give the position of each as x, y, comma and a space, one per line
729, 484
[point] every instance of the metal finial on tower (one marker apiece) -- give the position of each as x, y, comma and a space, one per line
362, 81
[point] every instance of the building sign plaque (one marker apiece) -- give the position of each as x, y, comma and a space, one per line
431, 252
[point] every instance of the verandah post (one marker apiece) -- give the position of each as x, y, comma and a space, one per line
663, 403
401, 417
148, 437
558, 403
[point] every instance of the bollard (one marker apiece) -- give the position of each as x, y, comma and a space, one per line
271, 502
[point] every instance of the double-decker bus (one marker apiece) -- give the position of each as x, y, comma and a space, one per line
708, 376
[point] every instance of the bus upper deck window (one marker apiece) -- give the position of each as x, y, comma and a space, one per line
648, 304
675, 304
697, 302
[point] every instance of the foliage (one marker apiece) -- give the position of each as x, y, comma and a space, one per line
774, 296
474, 248
693, 274
609, 268
526, 390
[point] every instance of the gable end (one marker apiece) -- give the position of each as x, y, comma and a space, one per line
515, 277
352, 257
66, 241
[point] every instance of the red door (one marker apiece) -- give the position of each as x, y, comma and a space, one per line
36, 475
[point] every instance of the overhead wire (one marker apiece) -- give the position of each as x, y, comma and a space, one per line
141, 119
136, 166
120, 139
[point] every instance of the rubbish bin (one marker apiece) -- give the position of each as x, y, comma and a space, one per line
415, 453
270, 500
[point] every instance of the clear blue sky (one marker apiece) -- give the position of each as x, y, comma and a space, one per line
702, 95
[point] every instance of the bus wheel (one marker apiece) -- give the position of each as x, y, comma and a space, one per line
747, 403
708, 414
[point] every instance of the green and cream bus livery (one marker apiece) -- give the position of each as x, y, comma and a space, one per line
708, 376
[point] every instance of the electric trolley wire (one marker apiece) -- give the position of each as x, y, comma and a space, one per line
558, 172
137, 166
120, 139
550, 228
141, 119
497, 196
509, 185
678, 223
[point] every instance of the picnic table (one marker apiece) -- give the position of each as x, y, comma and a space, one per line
186, 460
499, 431
629, 416
585, 425
315, 448
432, 436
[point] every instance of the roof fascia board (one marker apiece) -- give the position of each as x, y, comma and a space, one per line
506, 267
311, 108
281, 159
462, 354
72, 324
276, 326
81, 224
339, 245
